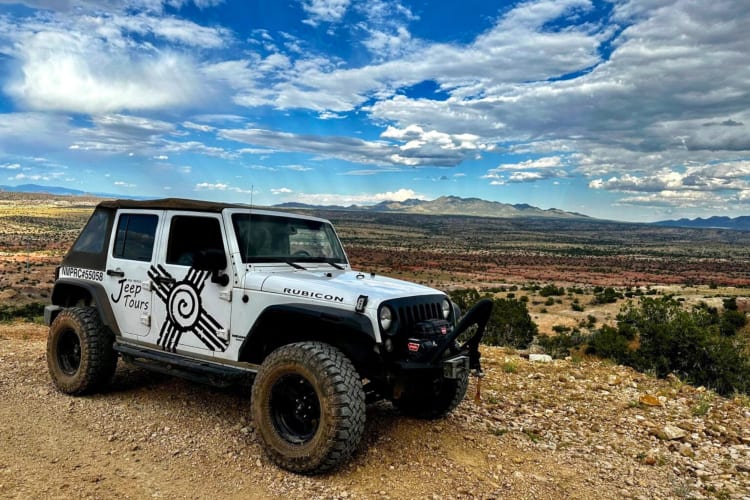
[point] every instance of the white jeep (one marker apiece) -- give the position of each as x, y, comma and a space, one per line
223, 293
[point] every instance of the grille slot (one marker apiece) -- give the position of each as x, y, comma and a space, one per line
409, 315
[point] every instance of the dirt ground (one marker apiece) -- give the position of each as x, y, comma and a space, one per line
541, 430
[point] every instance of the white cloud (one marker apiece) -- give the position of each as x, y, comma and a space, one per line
281, 191
10, 166
328, 11
422, 148
29, 177
76, 72
402, 194
220, 186
298, 168
124, 184
161, 157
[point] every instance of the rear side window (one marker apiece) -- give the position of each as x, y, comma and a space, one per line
135, 237
93, 236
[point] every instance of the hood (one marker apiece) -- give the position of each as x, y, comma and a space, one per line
334, 286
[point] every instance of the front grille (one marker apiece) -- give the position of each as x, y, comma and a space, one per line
410, 315
412, 310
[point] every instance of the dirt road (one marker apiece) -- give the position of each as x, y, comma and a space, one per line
542, 430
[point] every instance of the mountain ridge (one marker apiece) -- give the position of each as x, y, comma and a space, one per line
449, 205
740, 223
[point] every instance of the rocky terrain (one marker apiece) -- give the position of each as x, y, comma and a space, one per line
565, 429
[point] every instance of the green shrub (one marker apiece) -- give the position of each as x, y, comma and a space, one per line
606, 296
559, 346
510, 324
609, 342
33, 311
551, 290
686, 343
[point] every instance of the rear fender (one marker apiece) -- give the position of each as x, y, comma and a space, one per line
69, 293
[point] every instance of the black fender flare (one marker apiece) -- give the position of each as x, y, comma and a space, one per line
286, 323
65, 288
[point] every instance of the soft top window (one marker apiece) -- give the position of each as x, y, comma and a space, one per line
270, 238
135, 237
93, 237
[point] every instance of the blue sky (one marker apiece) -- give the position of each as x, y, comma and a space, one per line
631, 110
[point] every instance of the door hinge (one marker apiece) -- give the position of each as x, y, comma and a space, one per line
222, 333
146, 319
226, 295
146, 285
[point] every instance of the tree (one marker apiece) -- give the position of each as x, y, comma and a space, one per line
686, 343
510, 324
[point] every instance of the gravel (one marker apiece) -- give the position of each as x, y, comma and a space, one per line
557, 429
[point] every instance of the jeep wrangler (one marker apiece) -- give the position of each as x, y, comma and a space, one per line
221, 294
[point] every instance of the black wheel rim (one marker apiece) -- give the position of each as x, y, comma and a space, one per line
69, 352
295, 409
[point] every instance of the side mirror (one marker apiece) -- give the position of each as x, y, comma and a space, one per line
212, 260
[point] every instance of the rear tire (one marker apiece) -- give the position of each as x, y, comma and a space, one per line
433, 400
80, 356
308, 406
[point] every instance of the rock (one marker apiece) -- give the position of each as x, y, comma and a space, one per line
614, 380
649, 400
672, 432
542, 358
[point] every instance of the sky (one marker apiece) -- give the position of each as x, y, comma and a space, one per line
634, 110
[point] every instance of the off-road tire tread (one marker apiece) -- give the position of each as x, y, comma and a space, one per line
421, 404
98, 357
342, 386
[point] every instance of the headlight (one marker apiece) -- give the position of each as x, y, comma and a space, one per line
386, 318
446, 309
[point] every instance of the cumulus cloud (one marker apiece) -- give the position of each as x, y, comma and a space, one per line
684, 188
328, 11
543, 168
220, 186
402, 194
94, 62
419, 148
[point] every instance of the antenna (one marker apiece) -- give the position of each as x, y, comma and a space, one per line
249, 224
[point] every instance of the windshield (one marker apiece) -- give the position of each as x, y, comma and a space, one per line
272, 238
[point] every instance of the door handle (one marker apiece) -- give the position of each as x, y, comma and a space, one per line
119, 274
163, 280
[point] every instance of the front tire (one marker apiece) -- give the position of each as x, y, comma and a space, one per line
80, 356
435, 399
308, 406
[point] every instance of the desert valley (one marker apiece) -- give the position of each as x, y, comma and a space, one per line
576, 427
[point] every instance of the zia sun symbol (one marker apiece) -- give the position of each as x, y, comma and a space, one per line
185, 311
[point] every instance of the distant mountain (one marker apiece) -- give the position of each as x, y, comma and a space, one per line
450, 205
445, 205
741, 223
62, 191
36, 188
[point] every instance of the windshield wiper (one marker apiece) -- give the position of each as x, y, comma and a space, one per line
295, 265
331, 262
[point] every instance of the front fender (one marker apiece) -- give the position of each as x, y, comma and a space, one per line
283, 324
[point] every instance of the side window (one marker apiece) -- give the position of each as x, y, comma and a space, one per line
189, 235
135, 237
93, 235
